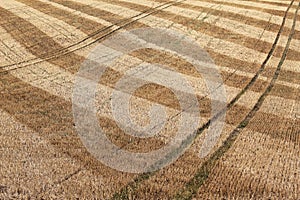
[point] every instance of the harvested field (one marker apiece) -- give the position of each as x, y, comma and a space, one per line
254, 46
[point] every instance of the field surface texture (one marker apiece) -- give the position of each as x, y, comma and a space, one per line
253, 46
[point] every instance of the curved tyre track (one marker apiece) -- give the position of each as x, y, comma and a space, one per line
85, 41
204, 171
53, 57
131, 190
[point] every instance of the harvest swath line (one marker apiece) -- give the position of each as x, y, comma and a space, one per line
205, 27
66, 50
139, 7
229, 76
234, 15
87, 26
61, 145
63, 65
45, 107
272, 3
267, 25
203, 173
133, 187
25, 28
273, 12
135, 6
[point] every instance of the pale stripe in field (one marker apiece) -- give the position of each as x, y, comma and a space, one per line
228, 24
257, 160
275, 1
59, 31
259, 5
62, 80
235, 27
59, 82
29, 159
95, 19
217, 45
249, 13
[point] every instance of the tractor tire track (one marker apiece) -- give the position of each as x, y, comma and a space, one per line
132, 188
203, 173
85, 42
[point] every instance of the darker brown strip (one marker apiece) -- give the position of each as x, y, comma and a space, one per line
102, 14
37, 42
49, 115
277, 127
271, 11
83, 24
215, 31
230, 79
244, 19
